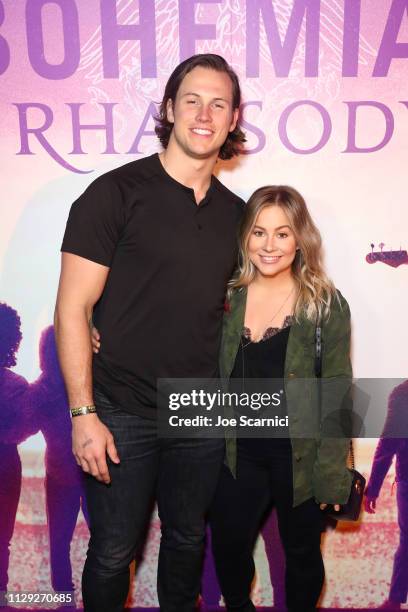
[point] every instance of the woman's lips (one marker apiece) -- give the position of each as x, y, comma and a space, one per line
269, 259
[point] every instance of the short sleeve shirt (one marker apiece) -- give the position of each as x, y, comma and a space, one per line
169, 263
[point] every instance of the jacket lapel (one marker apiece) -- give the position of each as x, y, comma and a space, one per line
300, 347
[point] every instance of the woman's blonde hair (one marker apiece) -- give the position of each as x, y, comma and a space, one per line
316, 290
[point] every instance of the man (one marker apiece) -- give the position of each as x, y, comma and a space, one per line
389, 445
147, 253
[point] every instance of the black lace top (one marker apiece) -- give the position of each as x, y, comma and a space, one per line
265, 360
270, 331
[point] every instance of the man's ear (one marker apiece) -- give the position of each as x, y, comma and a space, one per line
234, 120
169, 110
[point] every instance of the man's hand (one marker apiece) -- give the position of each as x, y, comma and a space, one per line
370, 504
91, 440
95, 339
324, 506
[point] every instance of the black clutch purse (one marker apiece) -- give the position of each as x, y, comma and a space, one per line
349, 511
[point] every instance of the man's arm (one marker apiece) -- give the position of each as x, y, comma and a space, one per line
80, 287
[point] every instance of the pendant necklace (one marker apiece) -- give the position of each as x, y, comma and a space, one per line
269, 320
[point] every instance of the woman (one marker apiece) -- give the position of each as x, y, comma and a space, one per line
279, 293
275, 300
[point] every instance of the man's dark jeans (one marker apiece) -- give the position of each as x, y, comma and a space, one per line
182, 474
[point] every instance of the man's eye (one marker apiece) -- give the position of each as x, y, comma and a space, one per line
191, 101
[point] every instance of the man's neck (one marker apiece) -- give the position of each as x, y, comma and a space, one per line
193, 173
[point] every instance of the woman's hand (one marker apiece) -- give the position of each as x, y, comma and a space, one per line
95, 339
324, 506
370, 504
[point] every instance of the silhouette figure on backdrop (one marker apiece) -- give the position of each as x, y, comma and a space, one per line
396, 424
63, 477
15, 427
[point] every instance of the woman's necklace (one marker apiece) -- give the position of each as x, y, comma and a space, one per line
272, 319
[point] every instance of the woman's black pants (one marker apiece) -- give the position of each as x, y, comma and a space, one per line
264, 477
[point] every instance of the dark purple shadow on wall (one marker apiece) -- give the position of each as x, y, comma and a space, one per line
64, 479
15, 427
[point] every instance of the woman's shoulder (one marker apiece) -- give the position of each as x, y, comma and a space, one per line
235, 297
338, 322
339, 304
333, 306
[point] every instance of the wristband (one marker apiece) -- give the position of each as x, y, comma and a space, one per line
82, 410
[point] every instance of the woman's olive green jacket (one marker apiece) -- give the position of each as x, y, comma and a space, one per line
319, 459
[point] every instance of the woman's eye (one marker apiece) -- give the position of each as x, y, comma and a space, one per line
258, 233
282, 235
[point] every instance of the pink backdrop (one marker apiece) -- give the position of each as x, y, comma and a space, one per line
326, 110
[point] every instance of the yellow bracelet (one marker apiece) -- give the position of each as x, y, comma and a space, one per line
82, 410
